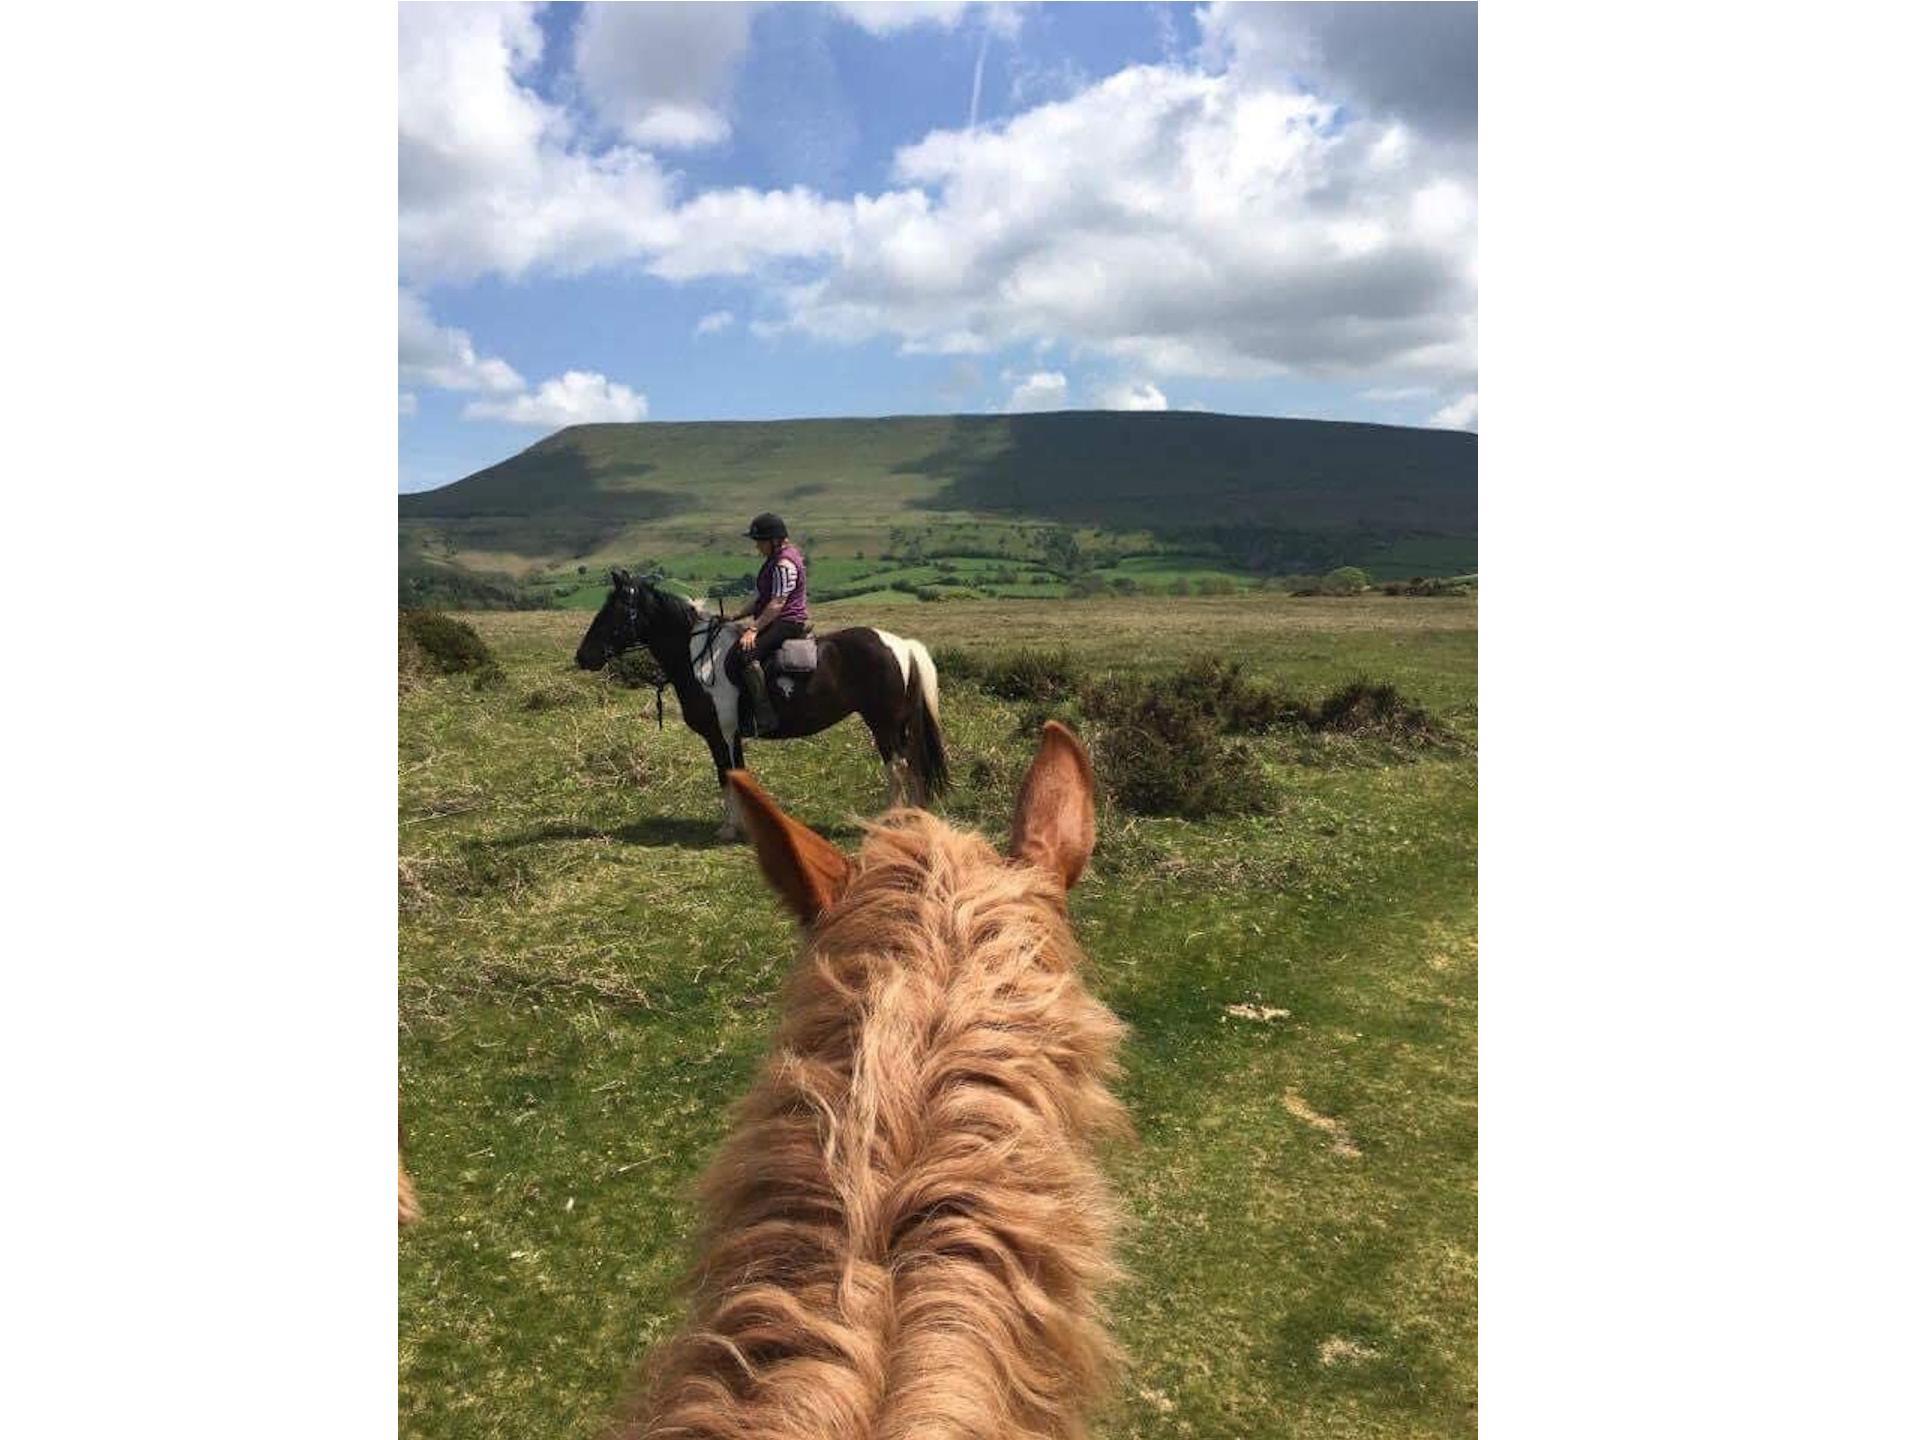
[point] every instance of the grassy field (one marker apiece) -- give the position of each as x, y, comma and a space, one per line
586, 982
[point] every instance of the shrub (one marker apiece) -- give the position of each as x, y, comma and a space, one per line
1031, 675
1240, 706
1371, 707
1347, 580
1179, 585
957, 664
1217, 585
636, 669
438, 644
1087, 587
1159, 753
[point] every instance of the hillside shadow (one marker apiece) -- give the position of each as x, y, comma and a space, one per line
551, 499
1286, 486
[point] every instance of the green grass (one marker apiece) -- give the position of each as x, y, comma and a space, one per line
587, 982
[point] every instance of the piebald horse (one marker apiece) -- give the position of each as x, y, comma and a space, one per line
888, 682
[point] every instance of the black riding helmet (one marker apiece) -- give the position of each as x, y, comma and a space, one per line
767, 527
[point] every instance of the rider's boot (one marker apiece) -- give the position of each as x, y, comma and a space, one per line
765, 721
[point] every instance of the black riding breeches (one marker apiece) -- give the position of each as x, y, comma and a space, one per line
769, 639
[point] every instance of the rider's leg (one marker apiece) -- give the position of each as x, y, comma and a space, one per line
765, 720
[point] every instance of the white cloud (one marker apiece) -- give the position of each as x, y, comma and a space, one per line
1174, 220
445, 358
1461, 414
578, 397
491, 181
409, 403
1396, 392
714, 322
1187, 223
1141, 395
1042, 390
885, 17
661, 74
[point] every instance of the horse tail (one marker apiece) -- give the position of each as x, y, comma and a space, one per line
930, 684
926, 746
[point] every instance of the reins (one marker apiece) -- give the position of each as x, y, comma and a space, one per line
715, 624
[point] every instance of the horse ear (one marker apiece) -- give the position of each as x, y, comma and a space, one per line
621, 579
803, 868
1053, 818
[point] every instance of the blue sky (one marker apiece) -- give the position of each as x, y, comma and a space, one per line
742, 212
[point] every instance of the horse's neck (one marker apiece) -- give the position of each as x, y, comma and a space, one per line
676, 657
675, 654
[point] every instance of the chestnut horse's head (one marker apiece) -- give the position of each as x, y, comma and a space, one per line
1052, 829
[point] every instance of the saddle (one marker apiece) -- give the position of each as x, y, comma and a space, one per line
795, 657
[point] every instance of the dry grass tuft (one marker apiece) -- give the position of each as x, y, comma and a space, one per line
1343, 1145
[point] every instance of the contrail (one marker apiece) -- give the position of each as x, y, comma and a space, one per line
979, 67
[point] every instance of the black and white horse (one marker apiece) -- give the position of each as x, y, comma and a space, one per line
887, 681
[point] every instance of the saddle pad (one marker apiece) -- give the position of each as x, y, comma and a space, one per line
798, 657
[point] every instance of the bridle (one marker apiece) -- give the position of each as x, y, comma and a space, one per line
715, 625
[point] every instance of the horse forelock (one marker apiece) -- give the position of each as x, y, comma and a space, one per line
906, 1232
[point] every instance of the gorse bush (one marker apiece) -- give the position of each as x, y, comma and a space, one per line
1161, 753
452, 647
636, 669
955, 664
1371, 707
1240, 705
1043, 675
433, 644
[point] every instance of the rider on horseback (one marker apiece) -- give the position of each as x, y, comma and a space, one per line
779, 611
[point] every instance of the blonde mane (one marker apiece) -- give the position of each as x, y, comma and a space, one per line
906, 1232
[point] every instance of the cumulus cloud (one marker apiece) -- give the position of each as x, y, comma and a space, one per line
1187, 222
445, 358
578, 397
491, 179
661, 74
1461, 414
1185, 218
1042, 390
714, 322
1413, 61
1141, 395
